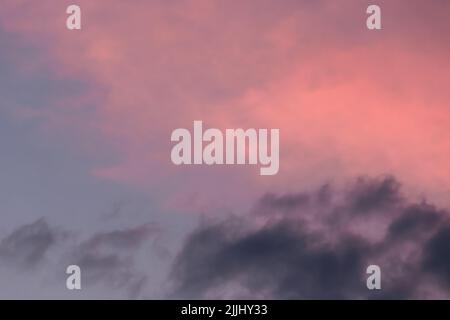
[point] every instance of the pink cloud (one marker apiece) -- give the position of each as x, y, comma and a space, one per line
347, 101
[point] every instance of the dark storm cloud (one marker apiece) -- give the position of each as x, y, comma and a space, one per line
27, 245
437, 255
415, 219
280, 258
293, 257
374, 194
291, 251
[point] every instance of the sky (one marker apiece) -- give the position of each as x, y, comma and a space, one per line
86, 177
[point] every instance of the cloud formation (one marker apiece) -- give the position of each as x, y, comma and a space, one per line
306, 245
27, 245
108, 260
298, 251
347, 101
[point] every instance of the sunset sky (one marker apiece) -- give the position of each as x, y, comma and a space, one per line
86, 176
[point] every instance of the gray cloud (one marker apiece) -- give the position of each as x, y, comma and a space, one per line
303, 254
109, 258
414, 220
372, 194
287, 202
281, 259
27, 245
124, 239
295, 246
437, 255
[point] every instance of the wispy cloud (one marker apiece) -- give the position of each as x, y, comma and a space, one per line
27, 245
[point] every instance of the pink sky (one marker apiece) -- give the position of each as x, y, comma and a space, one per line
347, 101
